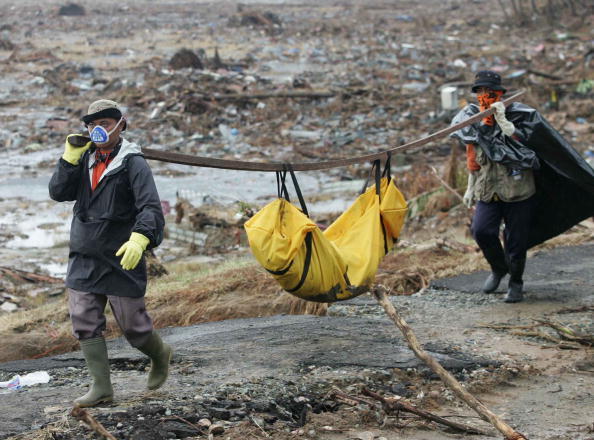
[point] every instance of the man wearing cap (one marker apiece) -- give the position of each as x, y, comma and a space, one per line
116, 217
503, 193
520, 173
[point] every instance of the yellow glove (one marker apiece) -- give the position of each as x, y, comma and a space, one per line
132, 250
74, 147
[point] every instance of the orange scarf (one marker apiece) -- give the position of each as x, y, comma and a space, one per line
102, 160
485, 100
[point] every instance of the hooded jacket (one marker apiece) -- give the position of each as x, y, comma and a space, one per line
124, 201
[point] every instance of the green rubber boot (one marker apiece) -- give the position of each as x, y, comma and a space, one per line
160, 354
95, 353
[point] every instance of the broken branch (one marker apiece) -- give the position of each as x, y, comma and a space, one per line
85, 417
391, 404
446, 185
379, 292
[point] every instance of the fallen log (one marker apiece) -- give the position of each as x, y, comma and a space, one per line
379, 292
28, 276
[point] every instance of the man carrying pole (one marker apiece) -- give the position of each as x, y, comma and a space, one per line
116, 217
522, 173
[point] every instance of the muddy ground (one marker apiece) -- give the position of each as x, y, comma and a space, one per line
275, 370
384, 64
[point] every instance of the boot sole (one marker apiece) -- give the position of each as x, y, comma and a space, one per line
156, 387
97, 402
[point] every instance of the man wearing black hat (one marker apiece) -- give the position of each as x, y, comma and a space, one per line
518, 164
116, 217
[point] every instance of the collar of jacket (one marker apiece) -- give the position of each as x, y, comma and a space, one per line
126, 149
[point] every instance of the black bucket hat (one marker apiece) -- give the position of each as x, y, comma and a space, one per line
487, 78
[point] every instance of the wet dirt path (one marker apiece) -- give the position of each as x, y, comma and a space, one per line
548, 393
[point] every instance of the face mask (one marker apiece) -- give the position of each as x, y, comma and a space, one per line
100, 135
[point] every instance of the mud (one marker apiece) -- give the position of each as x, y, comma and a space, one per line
386, 63
229, 370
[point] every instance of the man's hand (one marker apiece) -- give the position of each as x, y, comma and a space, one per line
132, 250
468, 198
507, 128
75, 147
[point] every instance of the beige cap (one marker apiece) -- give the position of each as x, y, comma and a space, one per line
102, 108
102, 104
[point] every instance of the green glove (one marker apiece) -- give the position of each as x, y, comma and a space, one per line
74, 147
132, 250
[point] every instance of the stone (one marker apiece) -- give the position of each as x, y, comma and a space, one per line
365, 435
216, 429
8, 307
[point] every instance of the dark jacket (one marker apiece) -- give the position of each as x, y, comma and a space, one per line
564, 180
125, 201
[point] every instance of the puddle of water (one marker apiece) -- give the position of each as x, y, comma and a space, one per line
45, 228
337, 205
30, 188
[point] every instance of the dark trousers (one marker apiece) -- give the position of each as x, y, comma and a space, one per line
87, 312
516, 216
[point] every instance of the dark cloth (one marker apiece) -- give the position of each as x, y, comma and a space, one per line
125, 201
517, 217
87, 313
564, 180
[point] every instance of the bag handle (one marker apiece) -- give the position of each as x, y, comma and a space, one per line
281, 187
375, 167
297, 189
283, 192
388, 167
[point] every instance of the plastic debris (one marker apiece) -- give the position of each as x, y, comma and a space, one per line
17, 382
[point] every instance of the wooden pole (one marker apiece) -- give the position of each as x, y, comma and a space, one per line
228, 164
379, 293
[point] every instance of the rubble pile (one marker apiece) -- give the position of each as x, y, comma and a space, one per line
282, 82
20, 289
383, 71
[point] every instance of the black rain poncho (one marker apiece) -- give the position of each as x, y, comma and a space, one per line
564, 180
125, 201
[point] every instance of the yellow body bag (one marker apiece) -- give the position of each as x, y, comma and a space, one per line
339, 263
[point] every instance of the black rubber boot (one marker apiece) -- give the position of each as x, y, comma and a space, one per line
496, 259
516, 284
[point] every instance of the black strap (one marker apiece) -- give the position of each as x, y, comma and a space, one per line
378, 176
387, 167
281, 186
282, 271
298, 190
375, 169
306, 264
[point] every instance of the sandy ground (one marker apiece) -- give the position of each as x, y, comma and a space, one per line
544, 391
